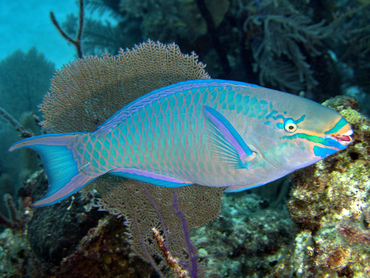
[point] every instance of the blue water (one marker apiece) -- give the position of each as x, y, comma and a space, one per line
26, 24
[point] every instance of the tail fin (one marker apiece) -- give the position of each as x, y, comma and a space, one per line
59, 163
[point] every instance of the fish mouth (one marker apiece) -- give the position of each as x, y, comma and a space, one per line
345, 139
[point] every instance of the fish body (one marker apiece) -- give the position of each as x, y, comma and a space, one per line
209, 132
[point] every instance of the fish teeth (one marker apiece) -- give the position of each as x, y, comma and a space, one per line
349, 132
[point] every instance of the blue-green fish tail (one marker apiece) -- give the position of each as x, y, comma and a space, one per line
65, 177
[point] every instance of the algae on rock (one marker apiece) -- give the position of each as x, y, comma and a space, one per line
330, 202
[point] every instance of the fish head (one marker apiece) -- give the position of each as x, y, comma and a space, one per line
300, 134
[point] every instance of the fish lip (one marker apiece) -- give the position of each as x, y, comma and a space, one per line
344, 139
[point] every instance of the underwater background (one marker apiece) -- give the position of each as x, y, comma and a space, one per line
313, 223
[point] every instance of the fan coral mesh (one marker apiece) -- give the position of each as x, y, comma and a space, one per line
88, 91
147, 206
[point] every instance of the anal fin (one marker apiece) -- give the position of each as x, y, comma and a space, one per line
145, 176
239, 188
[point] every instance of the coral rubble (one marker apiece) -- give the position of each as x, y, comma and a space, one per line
104, 252
330, 203
248, 240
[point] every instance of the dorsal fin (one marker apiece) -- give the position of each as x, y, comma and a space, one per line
132, 107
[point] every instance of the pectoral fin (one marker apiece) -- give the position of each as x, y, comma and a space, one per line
228, 142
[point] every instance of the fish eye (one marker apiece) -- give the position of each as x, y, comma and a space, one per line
290, 125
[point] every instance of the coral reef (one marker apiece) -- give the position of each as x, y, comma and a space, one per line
288, 42
15, 220
282, 41
70, 239
104, 252
180, 22
7, 187
159, 25
330, 201
16, 258
49, 227
248, 240
19, 214
172, 262
350, 19
155, 19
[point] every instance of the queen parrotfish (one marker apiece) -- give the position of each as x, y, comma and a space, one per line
209, 132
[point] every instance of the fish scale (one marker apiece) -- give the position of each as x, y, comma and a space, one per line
170, 140
210, 132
